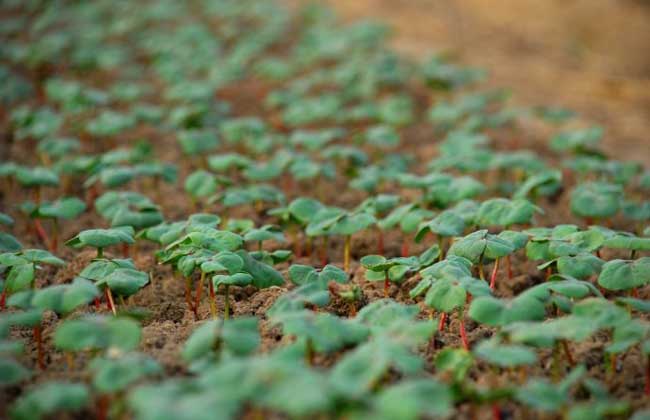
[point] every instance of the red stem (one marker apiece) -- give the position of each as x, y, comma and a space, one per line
323, 255
97, 307
42, 235
493, 277
3, 300
125, 250
496, 412
567, 353
297, 246
441, 324
102, 407
463, 334
386, 284
405, 247
197, 299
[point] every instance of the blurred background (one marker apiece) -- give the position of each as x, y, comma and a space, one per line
589, 55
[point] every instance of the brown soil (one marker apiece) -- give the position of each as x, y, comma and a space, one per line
590, 55
544, 60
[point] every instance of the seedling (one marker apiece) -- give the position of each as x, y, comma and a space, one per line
102, 238
64, 208
409, 217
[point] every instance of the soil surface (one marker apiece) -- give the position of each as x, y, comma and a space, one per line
592, 56
548, 52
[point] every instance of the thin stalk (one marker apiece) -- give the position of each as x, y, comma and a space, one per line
54, 243
42, 235
309, 352
323, 256
405, 246
441, 245
493, 277
463, 332
567, 353
297, 245
259, 246
386, 283
3, 300
69, 360
226, 307
109, 299
353, 309
443, 321
346, 253
102, 407
100, 252
199, 291
213, 304
308, 246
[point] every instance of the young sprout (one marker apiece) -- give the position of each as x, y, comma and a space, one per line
264, 233
348, 224
102, 238
408, 217
62, 209
236, 279
200, 184
446, 224
297, 215
595, 201
36, 178
60, 299
216, 340
480, 246
122, 282
8, 242
48, 398
23, 266
449, 286
379, 206
115, 372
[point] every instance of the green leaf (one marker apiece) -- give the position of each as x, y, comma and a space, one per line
596, 199
235, 337
498, 312
479, 245
413, 399
200, 184
102, 238
504, 355
93, 332
457, 362
263, 275
625, 275
49, 398
237, 279
445, 295
125, 281
12, 372
65, 298
111, 375
64, 208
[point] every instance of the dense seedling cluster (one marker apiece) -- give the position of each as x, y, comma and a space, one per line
222, 209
